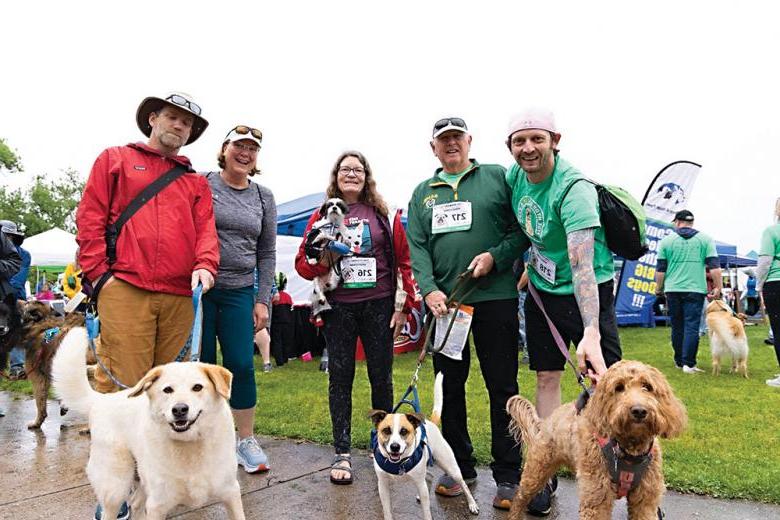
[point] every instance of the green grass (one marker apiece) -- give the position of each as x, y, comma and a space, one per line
731, 448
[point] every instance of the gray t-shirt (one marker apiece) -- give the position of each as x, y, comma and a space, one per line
246, 226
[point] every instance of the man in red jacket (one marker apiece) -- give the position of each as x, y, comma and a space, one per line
163, 251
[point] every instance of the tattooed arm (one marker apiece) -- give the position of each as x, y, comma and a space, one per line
580, 245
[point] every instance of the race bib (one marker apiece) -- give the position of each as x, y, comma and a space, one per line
358, 272
452, 216
542, 265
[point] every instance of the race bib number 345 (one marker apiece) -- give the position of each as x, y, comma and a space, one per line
452, 216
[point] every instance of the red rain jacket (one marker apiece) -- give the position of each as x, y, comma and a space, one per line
163, 242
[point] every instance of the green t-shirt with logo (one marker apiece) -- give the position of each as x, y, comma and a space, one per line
770, 246
546, 220
454, 178
686, 262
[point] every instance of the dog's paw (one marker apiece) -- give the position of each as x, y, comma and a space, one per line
474, 510
35, 425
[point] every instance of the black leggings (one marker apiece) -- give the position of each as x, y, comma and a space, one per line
371, 321
771, 295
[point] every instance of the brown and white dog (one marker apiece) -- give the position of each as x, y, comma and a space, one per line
402, 439
727, 338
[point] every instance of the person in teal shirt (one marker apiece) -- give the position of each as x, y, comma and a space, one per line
570, 267
768, 282
683, 257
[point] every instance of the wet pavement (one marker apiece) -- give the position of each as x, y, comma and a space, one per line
42, 477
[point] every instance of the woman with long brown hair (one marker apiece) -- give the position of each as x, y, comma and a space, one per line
369, 305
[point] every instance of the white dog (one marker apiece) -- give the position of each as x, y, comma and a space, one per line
175, 427
401, 453
727, 338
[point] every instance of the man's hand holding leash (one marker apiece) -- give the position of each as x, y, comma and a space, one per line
482, 264
437, 303
202, 276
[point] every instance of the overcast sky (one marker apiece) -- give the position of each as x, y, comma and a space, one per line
633, 87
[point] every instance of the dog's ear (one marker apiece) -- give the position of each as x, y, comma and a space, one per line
377, 416
220, 377
323, 208
415, 418
146, 382
672, 415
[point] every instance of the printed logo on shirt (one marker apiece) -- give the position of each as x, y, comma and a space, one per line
530, 216
430, 200
358, 235
139, 167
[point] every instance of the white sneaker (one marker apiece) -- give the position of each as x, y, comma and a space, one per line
691, 370
250, 455
774, 382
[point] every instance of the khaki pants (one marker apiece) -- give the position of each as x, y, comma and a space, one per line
139, 329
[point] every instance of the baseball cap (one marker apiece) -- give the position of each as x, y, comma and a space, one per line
536, 118
449, 123
241, 132
683, 215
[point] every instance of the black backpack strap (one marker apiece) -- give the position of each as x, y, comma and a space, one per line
147, 194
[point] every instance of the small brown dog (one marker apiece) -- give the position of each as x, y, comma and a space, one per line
41, 334
631, 407
727, 338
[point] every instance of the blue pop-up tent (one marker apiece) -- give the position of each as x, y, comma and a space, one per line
292, 216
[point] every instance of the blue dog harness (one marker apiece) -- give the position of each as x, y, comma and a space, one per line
50, 334
403, 465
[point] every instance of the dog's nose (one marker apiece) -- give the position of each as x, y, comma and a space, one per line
639, 413
395, 447
180, 410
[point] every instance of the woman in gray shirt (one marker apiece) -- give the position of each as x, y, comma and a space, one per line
245, 215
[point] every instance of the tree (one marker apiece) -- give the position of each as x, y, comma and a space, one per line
8, 158
45, 204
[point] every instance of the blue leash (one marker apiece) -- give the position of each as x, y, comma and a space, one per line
193, 341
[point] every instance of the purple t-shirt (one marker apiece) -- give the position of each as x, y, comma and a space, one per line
375, 243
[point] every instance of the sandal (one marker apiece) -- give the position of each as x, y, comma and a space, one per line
337, 465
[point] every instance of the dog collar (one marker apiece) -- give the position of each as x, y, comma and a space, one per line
403, 465
625, 471
49, 334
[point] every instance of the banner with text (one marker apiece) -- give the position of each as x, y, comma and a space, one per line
668, 193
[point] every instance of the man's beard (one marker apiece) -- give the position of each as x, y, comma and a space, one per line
170, 140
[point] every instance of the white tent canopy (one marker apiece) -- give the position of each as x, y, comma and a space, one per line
52, 247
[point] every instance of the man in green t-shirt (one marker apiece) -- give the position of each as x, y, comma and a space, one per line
683, 257
570, 267
459, 218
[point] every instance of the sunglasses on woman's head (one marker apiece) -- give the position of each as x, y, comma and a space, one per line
244, 130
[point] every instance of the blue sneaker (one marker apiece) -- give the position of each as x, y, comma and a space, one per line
250, 455
123, 514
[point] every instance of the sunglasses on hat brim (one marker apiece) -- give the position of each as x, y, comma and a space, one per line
247, 130
449, 121
184, 102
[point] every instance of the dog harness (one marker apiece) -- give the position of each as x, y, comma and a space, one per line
625, 471
403, 465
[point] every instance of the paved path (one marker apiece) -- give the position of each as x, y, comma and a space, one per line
42, 477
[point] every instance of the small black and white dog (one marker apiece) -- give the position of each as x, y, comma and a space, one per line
330, 227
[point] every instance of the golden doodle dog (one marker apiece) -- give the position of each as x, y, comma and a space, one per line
612, 444
404, 445
727, 338
41, 335
174, 428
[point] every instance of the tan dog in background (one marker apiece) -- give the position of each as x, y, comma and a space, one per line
174, 428
727, 338
632, 406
